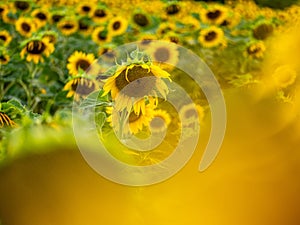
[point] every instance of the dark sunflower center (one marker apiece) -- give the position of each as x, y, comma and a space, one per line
68, 26
140, 19
133, 117
100, 13
52, 38
3, 58
212, 15
190, 113
21, 5
1, 10
172, 9
162, 54
116, 25
262, 31
57, 18
210, 36
140, 87
3, 37
41, 16
83, 25
86, 8
35, 47
102, 35
83, 64
26, 27
146, 41
174, 39
83, 86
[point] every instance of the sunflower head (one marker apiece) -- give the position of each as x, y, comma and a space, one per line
117, 26
284, 76
256, 49
160, 122
263, 31
41, 16
211, 37
85, 8
215, 14
79, 61
100, 35
4, 58
5, 37
100, 14
68, 26
23, 6
25, 26
141, 19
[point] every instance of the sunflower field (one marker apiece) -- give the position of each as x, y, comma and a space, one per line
125, 66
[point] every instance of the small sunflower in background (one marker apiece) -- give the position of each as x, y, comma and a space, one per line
84, 27
5, 37
256, 49
284, 76
211, 37
25, 26
36, 48
23, 6
145, 39
41, 16
117, 26
3, 10
141, 90
4, 57
101, 36
163, 52
56, 16
80, 87
141, 19
85, 8
68, 26
172, 37
79, 60
164, 28
51, 35
100, 15
5, 120
160, 122
263, 30
215, 14
190, 112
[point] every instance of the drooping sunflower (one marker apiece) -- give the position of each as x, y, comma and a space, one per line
161, 120
211, 37
85, 8
163, 52
117, 26
256, 49
100, 15
36, 48
80, 87
25, 26
68, 26
5, 37
79, 60
215, 14
189, 113
41, 16
101, 36
140, 89
5, 120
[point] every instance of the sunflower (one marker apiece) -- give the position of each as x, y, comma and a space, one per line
262, 31
163, 52
51, 35
211, 37
141, 19
25, 26
136, 122
6, 121
284, 76
4, 58
100, 35
3, 10
117, 26
23, 6
100, 15
172, 37
56, 17
160, 122
173, 9
164, 28
215, 14
35, 49
256, 49
140, 90
189, 113
80, 87
85, 8
68, 26
5, 37
84, 26
41, 16
79, 60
